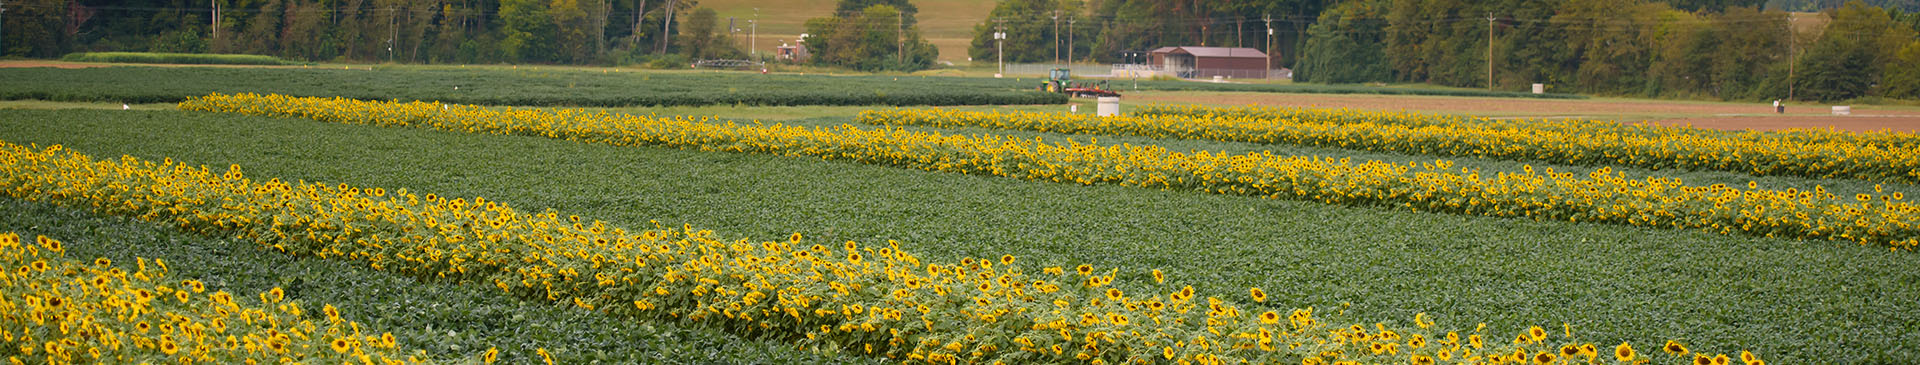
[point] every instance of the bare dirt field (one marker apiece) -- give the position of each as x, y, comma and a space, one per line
1726, 116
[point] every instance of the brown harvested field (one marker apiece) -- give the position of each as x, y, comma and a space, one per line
1727, 116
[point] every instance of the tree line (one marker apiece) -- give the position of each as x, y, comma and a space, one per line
1619, 47
667, 33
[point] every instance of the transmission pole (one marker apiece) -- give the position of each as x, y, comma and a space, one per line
1490, 19
1056, 37
1792, 37
1267, 46
216, 21
1070, 21
753, 35
1000, 44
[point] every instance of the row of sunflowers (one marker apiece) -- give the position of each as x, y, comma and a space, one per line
847, 297
1884, 139
1601, 195
60, 310
1883, 157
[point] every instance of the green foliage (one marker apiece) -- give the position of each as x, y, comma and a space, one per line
1345, 46
516, 87
1850, 56
527, 32
188, 40
1032, 31
1657, 283
702, 40
176, 58
870, 40
1903, 74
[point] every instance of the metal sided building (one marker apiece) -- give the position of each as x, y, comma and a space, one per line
1206, 62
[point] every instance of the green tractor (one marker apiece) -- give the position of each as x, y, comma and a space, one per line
1060, 80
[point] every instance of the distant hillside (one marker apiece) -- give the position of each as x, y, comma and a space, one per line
947, 23
1818, 5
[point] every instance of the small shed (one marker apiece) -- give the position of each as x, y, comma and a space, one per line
1204, 62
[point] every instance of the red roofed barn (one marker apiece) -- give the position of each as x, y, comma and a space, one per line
1206, 62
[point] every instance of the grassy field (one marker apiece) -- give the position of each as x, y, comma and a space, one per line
1791, 301
513, 86
948, 23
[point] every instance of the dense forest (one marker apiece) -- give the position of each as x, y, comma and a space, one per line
1713, 49
661, 32
1619, 47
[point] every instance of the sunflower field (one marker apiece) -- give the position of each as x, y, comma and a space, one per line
1595, 196
1891, 157
880, 301
282, 218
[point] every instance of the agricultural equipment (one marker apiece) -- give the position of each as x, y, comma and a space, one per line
1060, 80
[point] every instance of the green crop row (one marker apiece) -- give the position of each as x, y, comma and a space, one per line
517, 87
176, 58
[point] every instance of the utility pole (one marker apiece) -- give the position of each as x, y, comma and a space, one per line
1000, 45
753, 35
1070, 21
1792, 36
1267, 47
1490, 50
1056, 37
1239, 33
216, 21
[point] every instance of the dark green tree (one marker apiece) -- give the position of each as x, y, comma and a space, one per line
526, 30
1848, 59
1346, 45
870, 40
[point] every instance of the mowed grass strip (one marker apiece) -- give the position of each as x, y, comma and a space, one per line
447, 321
1791, 301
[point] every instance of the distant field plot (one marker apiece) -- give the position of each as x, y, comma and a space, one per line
507, 86
1174, 85
177, 58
